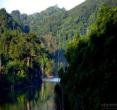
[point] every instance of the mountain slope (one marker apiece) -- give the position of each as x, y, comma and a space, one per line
80, 17
42, 23
60, 22
61, 25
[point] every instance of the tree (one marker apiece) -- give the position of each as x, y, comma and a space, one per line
91, 77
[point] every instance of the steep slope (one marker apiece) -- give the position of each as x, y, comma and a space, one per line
42, 23
91, 77
47, 21
62, 24
80, 17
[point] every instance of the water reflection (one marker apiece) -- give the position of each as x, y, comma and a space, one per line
39, 97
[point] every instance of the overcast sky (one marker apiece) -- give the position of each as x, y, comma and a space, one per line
31, 6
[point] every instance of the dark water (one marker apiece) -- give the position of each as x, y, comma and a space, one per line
29, 98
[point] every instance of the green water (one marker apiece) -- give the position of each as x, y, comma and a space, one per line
31, 98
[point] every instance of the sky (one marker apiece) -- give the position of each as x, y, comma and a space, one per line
32, 6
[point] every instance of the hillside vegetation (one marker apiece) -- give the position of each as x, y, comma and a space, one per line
22, 56
33, 46
90, 80
55, 26
62, 24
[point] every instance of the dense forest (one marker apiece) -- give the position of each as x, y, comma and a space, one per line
55, 26
79, 45
22, 55
90, 80
61, 24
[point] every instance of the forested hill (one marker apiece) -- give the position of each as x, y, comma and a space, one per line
23, 57
42, 23
33, 47
80, 17
60, 22
91, 78
54, 27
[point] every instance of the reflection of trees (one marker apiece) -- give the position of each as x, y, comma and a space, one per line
29, 98
48, 90
32, 96
29, 105
42, 91
46, 101
20, 97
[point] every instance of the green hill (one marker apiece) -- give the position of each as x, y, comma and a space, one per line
62, 24
55, 26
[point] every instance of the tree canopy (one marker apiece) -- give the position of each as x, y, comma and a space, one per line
91, 77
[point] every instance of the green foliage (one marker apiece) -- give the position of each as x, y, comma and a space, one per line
46, 64
15, 71
91, 78
62, 24
55, 26
71, 48
21, 54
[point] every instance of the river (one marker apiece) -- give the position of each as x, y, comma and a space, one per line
30, 98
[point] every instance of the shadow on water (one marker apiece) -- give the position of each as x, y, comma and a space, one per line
8, 95
58, 98
34, 97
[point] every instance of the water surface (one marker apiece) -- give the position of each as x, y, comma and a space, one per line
30, 98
